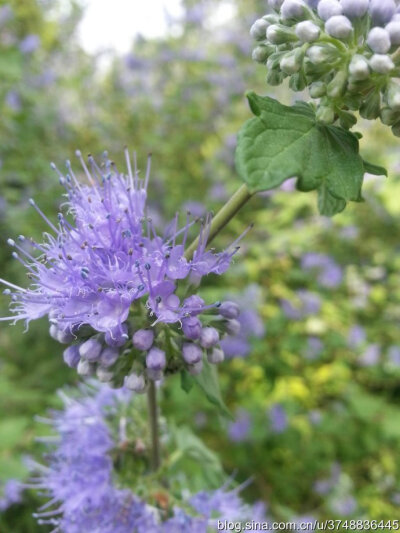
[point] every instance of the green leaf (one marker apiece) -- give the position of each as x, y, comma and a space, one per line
282, 142
207, 380
376, 170
186, 381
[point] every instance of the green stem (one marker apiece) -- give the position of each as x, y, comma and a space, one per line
224, 215
153, 423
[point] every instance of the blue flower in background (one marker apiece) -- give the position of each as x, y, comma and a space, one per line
278, 418
329, 273
239, 429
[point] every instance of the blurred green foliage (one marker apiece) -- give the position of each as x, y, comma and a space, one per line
182, 98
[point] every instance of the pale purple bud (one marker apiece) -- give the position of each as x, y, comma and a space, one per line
104, 375
339, 27
329, 8
279, 34
117, 338
393, 29
192, 353
196, 369
293, 9
65, 337
381, 63
381, 11
307, 31
275, 4
354, 8
191, 327
229, 309
71, 355
143, 339
290, 63
108, 356
85, 368
233, 326
379, 40
209, 337
90, 349
215, 356
155, 359
53, 331
259, 29
135, 382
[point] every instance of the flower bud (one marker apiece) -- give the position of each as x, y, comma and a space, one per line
136, 383
90, 349
63, 337
117, 338
143, 339
233, 326
108, 356
329, 8
320, 54
381, 63
307, 31
396, 129
85, 368
261, 53
196, 369
379, 40
192, 353
359, 68
155, 359
279, 34
337, 85
393, 29
354, 8
275, 4
191, 327
209, 337
371, 106
274, 77
325, 114
259, 29
389, 117
71, 355
104, 375
215, 356
339, 27
317, 89
292, 61
381, 11
293, 9
229, 309
393, 95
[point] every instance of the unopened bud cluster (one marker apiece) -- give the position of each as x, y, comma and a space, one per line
132, 356
344, 51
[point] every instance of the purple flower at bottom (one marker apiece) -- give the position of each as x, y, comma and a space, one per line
239, 430
278, 418
344, 506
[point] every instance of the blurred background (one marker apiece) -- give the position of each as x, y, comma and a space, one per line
313, 379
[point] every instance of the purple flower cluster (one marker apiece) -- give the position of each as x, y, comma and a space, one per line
80, 480
108, 282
